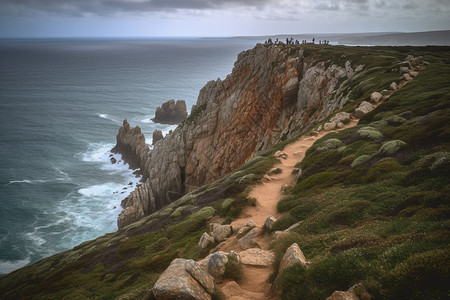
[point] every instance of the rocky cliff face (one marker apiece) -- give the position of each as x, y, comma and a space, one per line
273, 93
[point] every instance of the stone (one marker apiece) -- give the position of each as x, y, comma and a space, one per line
340, 295
157, 136
413, 73
184, 279
247, 242
250, 223
363, 109
277, 234
171, 112
205, 241
242, 231
113, 160
340, 117
257, 257
329, 126
376, 97
403, 69
235, 255
393, 86
270, 221
340, 125
407, 77
216, 264
360, 291
219, 232
292, 255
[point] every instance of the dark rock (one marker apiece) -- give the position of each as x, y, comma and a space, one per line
113, 160
171, 112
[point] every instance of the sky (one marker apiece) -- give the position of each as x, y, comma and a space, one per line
216, 18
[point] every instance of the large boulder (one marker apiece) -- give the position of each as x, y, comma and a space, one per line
171, 112
269, 222
247, 241
205, 240
216, 263
292, 255
219, 232
376, 97
184, 279
363, 109
257, 257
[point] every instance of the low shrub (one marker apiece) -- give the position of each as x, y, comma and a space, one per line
329, 144
391, 147
360, 159
370, 133
233, 269
381, 169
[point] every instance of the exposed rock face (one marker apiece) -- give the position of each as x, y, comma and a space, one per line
273, 93
184, 279
157, 136
171, 112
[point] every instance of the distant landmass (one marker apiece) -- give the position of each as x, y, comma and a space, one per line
437, 38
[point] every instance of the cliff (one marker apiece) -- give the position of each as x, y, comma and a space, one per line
374, 210
273, 93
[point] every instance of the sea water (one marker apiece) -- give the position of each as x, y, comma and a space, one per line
62, 102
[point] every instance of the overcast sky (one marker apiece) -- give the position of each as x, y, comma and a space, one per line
142, 18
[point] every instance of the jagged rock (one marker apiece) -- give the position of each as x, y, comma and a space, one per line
184, 279
205, 240
376, 97
363, 109
292, 255
219, 232
271, 94
157, 136
216, 263
269, 222
257, 257
247, 242
171, 112
393, 86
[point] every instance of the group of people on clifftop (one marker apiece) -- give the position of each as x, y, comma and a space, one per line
291, 41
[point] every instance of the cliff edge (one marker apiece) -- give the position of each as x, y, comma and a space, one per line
273, 93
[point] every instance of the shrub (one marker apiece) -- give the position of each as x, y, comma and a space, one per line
275, 171
391, 147
360, 159
370, 133
434, 160
381, 169
421, 276
395, 120
233, 269
329, 144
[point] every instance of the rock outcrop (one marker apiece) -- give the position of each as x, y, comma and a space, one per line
184, 279
274, 92
157, 136
171, 112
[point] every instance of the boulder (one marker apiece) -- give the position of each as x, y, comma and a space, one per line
171, 112
247, 242
329, 126
257, 257
184, 279
407, 77
356, 292
269, 222
219, 232
393, 86
205, 240
340, 117
363, 109
292, 255
340, 125
157, 136
376, 97
250, 223
216, 263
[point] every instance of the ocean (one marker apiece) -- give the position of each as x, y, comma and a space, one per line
62, 102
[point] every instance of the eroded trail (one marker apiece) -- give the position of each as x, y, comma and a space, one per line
254, 284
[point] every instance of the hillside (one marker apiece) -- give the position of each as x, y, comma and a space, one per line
372, 200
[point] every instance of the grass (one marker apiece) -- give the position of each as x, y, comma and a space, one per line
367, 215
377, 212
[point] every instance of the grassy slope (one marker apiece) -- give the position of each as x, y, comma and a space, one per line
382, 220
360, 222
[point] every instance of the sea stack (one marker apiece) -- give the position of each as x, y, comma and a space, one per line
171, 112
